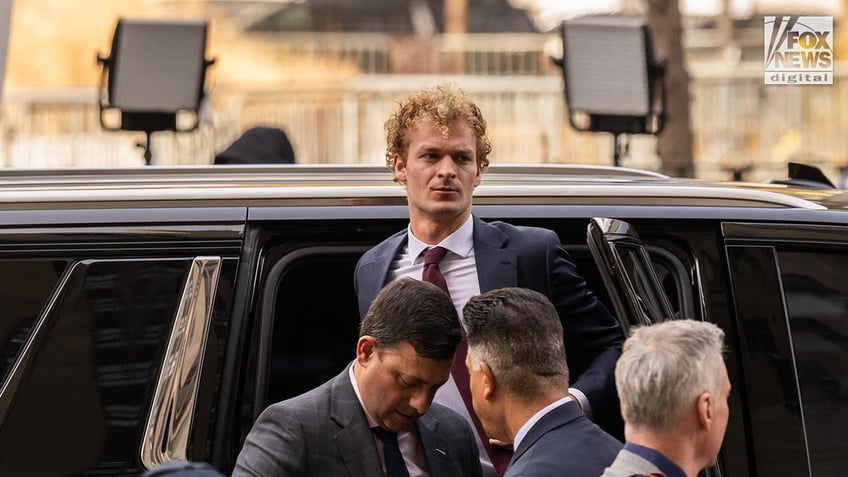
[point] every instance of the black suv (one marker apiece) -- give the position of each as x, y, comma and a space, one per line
151, 314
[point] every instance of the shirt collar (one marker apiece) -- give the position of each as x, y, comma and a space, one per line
460, 242
371, 421
662, 462
523, 430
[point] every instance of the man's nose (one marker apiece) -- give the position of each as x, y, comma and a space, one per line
420, 401
447, 167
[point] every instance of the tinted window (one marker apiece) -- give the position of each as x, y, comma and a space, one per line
768, 385
25, 287
816, 293
316, 323
87, 386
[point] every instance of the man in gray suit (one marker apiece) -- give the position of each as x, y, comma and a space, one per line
376, 418
673, 387
519, 387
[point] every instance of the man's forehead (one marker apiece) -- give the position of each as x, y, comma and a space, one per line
445, 126
406, 361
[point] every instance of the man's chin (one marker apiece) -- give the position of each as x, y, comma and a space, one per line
400, 423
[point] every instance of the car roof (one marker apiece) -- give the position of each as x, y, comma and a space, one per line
363, 184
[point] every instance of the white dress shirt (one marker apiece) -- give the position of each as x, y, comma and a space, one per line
459, 266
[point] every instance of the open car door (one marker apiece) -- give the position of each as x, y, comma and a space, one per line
627, 271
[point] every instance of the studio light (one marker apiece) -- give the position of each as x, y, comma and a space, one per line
612, 82
155, 71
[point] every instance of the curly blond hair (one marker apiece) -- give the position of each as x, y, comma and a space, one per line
442, 105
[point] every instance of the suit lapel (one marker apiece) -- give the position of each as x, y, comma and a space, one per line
354, 439
497, 266
376, 272
559, 416
436, 446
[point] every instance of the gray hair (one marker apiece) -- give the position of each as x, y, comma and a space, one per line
664, 367
518, 334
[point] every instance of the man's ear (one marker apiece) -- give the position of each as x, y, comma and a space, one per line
399, 168
366, 348
704, 410
489, 383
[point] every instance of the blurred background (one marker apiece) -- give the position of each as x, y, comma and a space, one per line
328, 72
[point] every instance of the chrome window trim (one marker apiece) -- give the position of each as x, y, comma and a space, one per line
167, 432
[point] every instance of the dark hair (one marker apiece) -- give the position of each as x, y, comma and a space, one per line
416, 312
517, 332
259, 145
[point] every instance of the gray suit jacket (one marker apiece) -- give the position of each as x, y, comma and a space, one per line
628, 463
530, 257
564, 443
325, 433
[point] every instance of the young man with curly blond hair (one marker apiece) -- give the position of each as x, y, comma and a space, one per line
438, 149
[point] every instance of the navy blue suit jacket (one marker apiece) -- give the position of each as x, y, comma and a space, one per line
531, 257
563, 443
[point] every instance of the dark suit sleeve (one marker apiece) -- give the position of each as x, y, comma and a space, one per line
274, 447
593, 337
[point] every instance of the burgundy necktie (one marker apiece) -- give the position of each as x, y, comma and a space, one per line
432, 273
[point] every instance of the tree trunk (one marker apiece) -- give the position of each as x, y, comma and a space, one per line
455, 16
674, 143
456, 25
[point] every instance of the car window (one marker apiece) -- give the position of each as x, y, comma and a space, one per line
98, 355
816, 294
315, 320
764, 350
22, 301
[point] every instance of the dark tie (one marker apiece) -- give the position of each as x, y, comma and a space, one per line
395, 466
432, 273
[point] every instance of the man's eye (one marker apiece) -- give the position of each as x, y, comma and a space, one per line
406, 383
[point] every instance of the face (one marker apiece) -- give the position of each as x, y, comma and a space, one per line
480, 386
397, 386
722, 411
440, 173
720, 414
